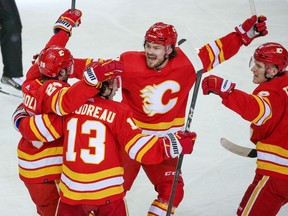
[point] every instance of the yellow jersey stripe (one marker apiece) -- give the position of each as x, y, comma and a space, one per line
86, 177
160, 125
146, 148
93, 195
35, 130
55, 151
50, 126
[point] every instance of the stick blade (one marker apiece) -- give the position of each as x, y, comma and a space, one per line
237, 149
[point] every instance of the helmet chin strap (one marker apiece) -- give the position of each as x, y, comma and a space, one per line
268, 71
268, 78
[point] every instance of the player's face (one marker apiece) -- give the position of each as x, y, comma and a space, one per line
262, 72
63, 75
114, 88
155, 55
259, 69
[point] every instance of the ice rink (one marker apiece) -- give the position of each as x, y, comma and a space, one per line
215, 179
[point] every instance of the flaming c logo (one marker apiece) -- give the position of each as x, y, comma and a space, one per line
153, 97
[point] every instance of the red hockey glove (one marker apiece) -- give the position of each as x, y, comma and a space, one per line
68, 20
217, 85
260, 26
180, 143
18, 114
252, 28
35, 58
96, 72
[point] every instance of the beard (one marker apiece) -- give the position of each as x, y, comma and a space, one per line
153, 62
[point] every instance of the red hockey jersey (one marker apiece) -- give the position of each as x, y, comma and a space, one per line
267, 110
37, 162
159, 99
93, 134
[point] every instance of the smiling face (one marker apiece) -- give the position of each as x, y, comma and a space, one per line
156, 55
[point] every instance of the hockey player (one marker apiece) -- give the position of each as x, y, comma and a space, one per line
266, 109
92, 178
46, 90
156, 84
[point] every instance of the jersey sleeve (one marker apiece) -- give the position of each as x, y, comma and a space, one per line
255, 108
220, 50
144, 148
64, 100
79, 67
60, 39
43, 128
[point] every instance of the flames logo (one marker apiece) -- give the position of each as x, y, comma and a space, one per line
152, 97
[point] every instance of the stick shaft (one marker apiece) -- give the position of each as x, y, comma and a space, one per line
252, 7
187, 128
73, 3
194, 98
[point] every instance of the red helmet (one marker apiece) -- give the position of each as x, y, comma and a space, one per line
53, 59
161, 33
272, 54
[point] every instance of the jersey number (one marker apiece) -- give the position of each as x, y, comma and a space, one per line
52, 87
95, 143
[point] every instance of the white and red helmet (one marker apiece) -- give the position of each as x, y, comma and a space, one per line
272, 54
161, 33
53, 59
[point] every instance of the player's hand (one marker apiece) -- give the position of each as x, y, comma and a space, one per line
252, 28
68, 20
180, 143
18, 114
98, 72
217, 85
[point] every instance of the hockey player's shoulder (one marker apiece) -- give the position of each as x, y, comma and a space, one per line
119, 106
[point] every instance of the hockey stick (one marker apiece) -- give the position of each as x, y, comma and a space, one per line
188, 123
237, 149
252, 7
73, 3
10, 94
230, 146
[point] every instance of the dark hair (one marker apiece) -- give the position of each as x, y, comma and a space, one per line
104, 86
173, 53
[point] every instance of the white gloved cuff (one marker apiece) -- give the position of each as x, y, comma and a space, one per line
90, 77
175, 147
64, 25
19, 113
226, 86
